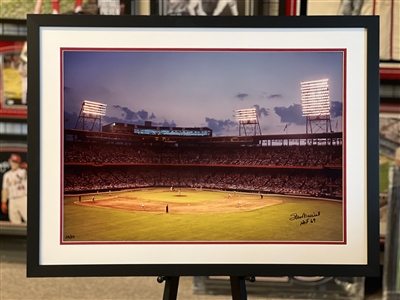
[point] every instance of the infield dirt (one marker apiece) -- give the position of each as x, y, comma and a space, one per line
221, 205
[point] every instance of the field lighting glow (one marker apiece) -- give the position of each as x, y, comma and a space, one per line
246, 115
315, 98
94, 108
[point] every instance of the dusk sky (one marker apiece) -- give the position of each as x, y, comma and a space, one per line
200, 89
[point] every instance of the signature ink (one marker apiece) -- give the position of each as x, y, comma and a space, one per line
305, 218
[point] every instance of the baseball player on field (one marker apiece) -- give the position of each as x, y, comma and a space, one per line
14, 190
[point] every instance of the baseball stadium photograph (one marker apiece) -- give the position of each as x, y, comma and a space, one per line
203, 146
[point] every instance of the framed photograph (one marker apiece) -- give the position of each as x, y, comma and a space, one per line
203, 7
389, 12
224, 8
19, 11
203, 146
14, 183
13, 82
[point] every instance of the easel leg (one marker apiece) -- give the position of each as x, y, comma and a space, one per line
171, 287
238, 288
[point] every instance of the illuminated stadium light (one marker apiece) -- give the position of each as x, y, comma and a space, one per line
94, 108
248, 115
315, 98
90, 116
316, 105
248, 122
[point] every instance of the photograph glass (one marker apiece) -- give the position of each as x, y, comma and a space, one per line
202, 152
195, 148
13, 69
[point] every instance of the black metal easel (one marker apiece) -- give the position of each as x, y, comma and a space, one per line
238, 287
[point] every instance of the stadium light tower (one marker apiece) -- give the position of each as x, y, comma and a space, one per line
90, 116
316, 105
248, 122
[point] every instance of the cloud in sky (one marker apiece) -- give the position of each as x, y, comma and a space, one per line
108, 120
144, 115
336, 109
274, 96
265, 95
132, 116
219, 126
261, 111
241, 96
165, 124
292, 114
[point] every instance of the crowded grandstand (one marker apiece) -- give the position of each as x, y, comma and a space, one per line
295, 164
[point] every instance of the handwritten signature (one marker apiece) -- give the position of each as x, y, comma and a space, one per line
305, 218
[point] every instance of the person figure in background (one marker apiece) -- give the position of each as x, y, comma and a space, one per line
350, 7
14, 189
176, 7
193, 4
221, 5
55, 4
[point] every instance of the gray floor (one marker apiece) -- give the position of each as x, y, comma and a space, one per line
14, 284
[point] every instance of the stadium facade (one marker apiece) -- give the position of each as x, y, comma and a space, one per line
149, 129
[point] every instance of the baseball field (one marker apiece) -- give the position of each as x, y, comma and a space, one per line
162, 215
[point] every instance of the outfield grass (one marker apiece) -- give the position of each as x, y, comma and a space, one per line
270, 223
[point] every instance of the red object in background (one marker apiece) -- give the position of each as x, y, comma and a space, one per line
390, 73
389, 108
291, 8
15, 158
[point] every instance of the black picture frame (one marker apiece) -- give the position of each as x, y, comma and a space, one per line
40, 144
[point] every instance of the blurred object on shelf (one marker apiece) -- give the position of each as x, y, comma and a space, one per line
296, 287
391, 270
389, 148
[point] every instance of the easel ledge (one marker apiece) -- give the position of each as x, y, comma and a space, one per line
238, 287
